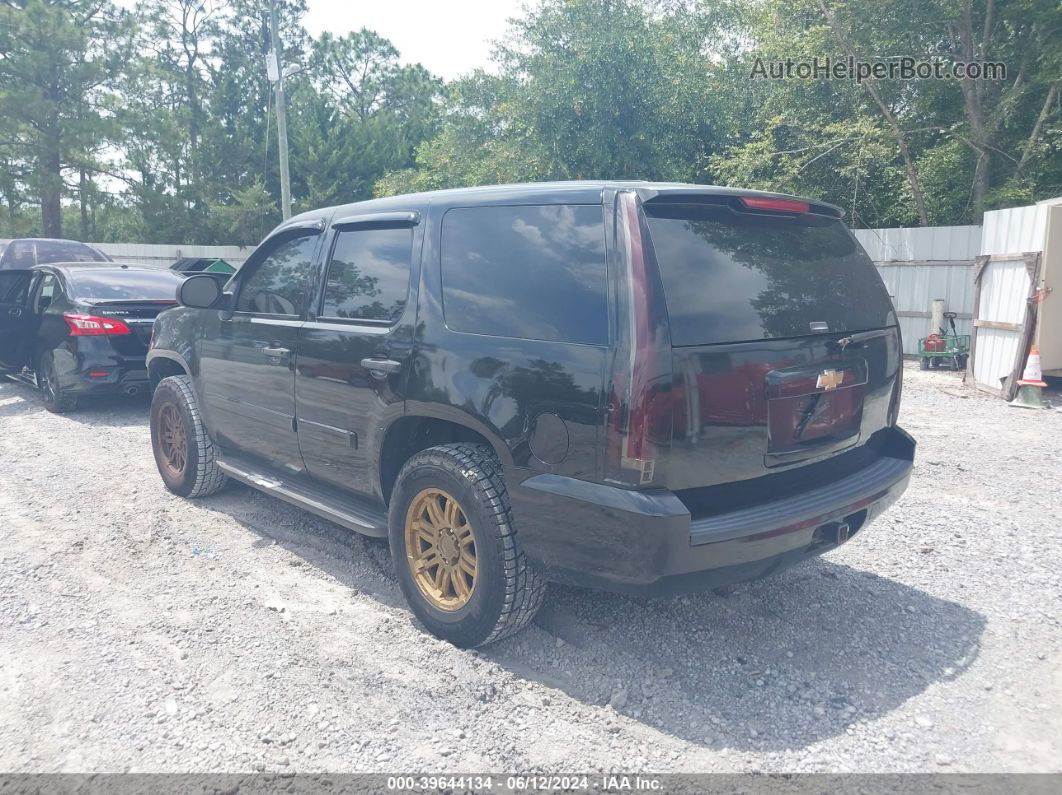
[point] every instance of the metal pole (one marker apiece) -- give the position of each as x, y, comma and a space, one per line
282, 115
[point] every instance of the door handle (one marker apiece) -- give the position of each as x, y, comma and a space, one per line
381, 367
14, 311
276, 352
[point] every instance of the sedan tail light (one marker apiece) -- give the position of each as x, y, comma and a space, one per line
93, 326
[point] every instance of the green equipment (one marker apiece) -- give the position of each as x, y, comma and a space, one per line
944, 350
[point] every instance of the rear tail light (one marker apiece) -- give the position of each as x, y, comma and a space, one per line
775, 205
93, 326
897, 387
640, 409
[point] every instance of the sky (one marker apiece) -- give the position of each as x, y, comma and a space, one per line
449, 37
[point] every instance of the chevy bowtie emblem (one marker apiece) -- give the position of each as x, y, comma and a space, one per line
829, 379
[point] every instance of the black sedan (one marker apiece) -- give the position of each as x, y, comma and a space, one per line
81, 328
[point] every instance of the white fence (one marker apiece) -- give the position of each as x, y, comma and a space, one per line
921, 264
164, 255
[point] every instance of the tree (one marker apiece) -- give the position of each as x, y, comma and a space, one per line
359, 115
58, 63
587, 89
247, 216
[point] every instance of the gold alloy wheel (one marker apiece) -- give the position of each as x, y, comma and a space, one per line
440, 549
173, 442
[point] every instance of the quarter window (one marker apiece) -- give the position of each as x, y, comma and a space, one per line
532, 272
46, 291
280, 283
368, 275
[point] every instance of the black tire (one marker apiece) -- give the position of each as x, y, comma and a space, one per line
507, 591
54, 397
175, 413
923, 363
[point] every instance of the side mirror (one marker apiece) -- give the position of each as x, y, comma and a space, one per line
201, 291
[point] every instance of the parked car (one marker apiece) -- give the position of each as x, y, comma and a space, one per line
75, 329
647, 388
24, 253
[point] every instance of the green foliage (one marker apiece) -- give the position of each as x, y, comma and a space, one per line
160, 125
966, 140
58, 63
587, 89
247, 216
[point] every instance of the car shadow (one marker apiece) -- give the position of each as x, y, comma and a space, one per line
776, 664
18, 397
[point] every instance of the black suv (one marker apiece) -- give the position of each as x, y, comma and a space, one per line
641, 387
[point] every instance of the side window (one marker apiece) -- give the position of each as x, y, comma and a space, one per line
534, 272
14, 287
368, 274
280, 284
46, 291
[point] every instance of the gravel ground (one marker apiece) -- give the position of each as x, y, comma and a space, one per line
143, 632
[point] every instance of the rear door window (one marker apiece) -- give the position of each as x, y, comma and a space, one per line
730, 276
368, 274
532, 272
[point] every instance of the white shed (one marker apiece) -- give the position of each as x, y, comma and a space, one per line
1018, 295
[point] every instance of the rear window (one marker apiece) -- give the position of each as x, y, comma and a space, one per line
730, 276
368, 275
530, 272
117, 284
27, 253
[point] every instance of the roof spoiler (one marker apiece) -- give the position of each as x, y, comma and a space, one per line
732, 198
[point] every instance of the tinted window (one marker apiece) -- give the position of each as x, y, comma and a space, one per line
280, 283
531, 272
27, 253
368, 276
730, 276
118, 284
14, 286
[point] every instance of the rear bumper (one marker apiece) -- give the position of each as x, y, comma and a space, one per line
92, 372
646, 542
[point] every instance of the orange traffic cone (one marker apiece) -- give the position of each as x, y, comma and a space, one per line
1031, 383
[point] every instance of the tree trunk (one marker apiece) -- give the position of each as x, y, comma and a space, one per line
1035, 134
82, 187
972, 94
51, 181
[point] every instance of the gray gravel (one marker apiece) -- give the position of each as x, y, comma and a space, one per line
143, 632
